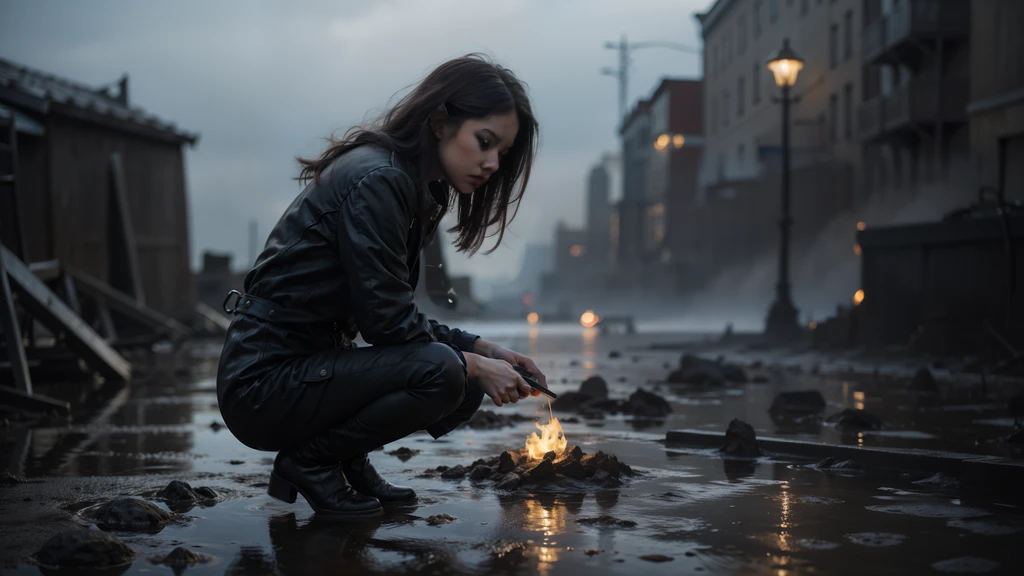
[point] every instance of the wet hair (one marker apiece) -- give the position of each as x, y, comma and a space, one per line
460, 89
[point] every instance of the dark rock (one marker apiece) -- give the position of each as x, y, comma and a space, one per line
591, 551
131, 514
571, 468
850, 420
454, 473
570, 401
508, 461
740, 440
441, 468
802, 402
733, 373
542, 471
478, 462
761, 379
606, 520
510, 481
623, 379
79, 548
488, 420
549, 455
604, 479
8, 479
178, 491
595, 387
440, 519
694, 370
216, 426
182, 557
615, 354
574, 452
236, 462
403, 453
690, 553
601, 461
924, 381
657, 558
644, 403
481, 472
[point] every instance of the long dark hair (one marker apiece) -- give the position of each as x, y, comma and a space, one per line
463, 88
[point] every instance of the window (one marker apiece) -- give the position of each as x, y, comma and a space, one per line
833, 113
848, 111
805, 5
756, 16
847, 35
741, 96
773, 10
741, 31
755, 82
725, 108
833, 46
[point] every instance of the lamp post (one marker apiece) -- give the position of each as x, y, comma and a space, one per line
782, 318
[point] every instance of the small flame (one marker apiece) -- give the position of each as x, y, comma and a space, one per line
551, 438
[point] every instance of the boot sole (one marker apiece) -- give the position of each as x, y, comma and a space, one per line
285, 491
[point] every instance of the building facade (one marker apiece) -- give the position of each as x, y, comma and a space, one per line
598, 217
636, 149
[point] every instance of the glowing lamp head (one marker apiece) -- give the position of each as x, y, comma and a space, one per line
785, 65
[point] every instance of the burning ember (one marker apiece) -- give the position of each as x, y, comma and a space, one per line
551, 439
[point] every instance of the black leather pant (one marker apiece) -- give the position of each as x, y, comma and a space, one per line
346, 402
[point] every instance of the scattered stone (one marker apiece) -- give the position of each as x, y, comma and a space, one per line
803, 402
178, 491
80, 548
694, 370
132, 514
440, 519
26, 499
740, 440
876, 539
615, 354
850, 420
216, 426
571, 420
489, 420
591, 551
541, 472
606, 520
181, 557
623, 379
924, 381
574, 452
403, 453
595, 387
761, 379
510, 481
657, 558
481, 472
8, 479
454, 473
236, 462
508, 461
570, 402
644, 403
571, 468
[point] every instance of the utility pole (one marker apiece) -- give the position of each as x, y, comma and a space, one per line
622, 72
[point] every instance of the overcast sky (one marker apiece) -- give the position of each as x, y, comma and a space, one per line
263, 82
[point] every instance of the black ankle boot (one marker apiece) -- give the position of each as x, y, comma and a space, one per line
324, 486
366, 480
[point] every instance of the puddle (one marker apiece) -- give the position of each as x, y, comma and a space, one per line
930, 510
876, 539
985, 528
812, 544
966, 565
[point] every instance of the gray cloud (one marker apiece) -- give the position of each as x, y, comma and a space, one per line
264, 82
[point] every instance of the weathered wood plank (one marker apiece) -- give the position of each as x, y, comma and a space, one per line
46, 307
124, 251
32, 402
124, 304
12, 331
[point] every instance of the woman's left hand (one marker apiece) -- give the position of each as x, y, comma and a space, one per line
492, 350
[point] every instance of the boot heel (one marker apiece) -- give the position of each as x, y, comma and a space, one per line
281, 489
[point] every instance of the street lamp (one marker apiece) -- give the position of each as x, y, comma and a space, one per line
782, 318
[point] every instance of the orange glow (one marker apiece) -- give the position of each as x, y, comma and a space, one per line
858, 297
857, 250
533, 317
662, 142
813, 325
577, 250
678, 140
551, 438
589, 319
861, 226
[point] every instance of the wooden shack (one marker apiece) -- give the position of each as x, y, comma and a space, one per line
85, 153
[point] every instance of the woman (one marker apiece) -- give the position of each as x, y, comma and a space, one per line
344, 258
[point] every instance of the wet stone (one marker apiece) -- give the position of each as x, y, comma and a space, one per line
216, 426
740, 440
481, 472
132, 514
831, 463
594, 387
508, 461
510, 481
440, 519
181, 557
550, 455
80, 548
488, 420
403, 453
966, 565
453, 473
876, 539
178, 491
571, 468
657, 558
802, 402
606, 520
542, 471
574, 452
850, 420
644, 403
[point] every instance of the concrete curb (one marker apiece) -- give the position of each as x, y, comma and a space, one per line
1002, 476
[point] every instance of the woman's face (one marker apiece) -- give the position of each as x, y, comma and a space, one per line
472, 153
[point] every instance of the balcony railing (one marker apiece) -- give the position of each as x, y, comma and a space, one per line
910, 19
911, 104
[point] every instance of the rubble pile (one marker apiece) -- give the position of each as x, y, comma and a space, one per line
592, 401
513, 469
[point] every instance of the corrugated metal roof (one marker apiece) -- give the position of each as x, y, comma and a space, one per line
24, 86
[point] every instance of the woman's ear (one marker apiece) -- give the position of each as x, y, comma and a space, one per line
438, 120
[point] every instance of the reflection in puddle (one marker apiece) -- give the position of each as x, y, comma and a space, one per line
549, 519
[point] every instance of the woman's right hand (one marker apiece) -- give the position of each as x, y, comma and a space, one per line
497, 379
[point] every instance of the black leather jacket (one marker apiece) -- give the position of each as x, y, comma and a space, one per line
347, 251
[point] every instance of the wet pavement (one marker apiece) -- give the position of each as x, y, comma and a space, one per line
695, 512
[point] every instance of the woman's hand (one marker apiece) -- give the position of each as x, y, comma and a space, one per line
497, 379
492, 350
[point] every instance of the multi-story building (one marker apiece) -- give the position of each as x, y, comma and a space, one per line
739, 183
917, 76
598, 217
636, 148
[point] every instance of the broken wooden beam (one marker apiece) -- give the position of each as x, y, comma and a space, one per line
211, 316
33, 402
12, 330
127, 306
48, 309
